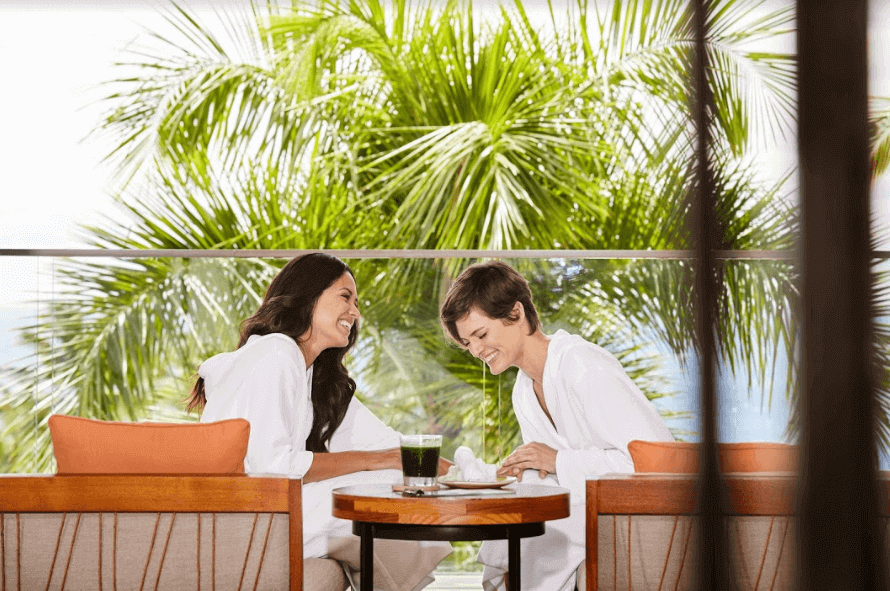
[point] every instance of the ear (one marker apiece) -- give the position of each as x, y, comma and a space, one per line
518, 312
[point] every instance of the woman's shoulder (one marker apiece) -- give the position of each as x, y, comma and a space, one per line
574, 350
274, 340
271, 346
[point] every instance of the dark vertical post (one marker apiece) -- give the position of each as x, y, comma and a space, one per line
705, 231
514, 574
366, 556
839, 542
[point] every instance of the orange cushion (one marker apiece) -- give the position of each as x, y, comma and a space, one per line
88, 446
681, 457
758, 457
678, 457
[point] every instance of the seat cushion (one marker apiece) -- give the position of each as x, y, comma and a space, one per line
759, 457
680, 457
88, 446
675, 457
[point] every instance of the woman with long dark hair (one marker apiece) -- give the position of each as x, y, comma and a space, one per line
288, 380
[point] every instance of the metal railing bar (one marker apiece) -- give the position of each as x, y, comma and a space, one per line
779, 255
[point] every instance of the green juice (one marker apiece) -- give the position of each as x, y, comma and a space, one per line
420, 462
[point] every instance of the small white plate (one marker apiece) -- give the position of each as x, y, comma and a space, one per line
454, 483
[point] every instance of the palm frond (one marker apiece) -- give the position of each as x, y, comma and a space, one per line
879, 119
415, 124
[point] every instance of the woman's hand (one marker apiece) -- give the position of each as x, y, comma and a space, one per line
333, 464
392, 458
385, 459
531, 456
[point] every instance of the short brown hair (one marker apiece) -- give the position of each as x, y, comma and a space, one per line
494, 288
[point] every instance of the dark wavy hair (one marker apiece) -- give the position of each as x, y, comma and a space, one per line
287, 308
494, 288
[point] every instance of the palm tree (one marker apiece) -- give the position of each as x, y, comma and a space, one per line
356, 124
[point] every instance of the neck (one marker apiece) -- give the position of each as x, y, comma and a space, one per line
534, 356
309, 353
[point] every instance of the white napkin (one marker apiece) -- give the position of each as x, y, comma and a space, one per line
469, 468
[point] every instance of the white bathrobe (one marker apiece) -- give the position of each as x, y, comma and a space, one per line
597, 410
266, 382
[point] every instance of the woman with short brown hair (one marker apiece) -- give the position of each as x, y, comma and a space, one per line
576, 406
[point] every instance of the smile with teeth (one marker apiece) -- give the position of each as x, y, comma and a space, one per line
489, 357
345, 324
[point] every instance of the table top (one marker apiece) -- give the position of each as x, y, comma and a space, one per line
379, 504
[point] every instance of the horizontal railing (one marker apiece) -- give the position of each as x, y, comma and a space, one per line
405, 253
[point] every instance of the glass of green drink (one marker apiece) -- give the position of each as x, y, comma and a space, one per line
420, 459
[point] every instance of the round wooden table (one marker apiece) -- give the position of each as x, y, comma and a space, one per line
518, 511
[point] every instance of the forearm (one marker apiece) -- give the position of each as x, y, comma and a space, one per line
331, 465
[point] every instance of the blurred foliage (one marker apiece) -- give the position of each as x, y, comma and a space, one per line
355, 124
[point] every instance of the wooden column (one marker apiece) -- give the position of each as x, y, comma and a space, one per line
839, 542
707, 237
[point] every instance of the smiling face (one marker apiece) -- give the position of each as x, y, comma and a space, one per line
333, 317
499, 343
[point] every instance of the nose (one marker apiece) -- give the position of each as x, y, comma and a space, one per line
355, 311
474, 349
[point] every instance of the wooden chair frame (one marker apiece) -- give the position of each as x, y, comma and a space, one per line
137, 493
763, 494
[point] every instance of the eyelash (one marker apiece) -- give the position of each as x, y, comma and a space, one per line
467, 343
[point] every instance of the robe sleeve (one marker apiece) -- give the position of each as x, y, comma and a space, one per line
615, 412
362, 430
279, 405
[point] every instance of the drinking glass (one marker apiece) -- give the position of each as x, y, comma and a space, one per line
420, 459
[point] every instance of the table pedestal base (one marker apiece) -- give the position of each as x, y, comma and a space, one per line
513, 532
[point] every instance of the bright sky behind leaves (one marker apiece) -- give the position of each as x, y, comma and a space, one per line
53, 56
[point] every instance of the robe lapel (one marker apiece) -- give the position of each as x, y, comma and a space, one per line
556, 398
555, 403
543, 429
